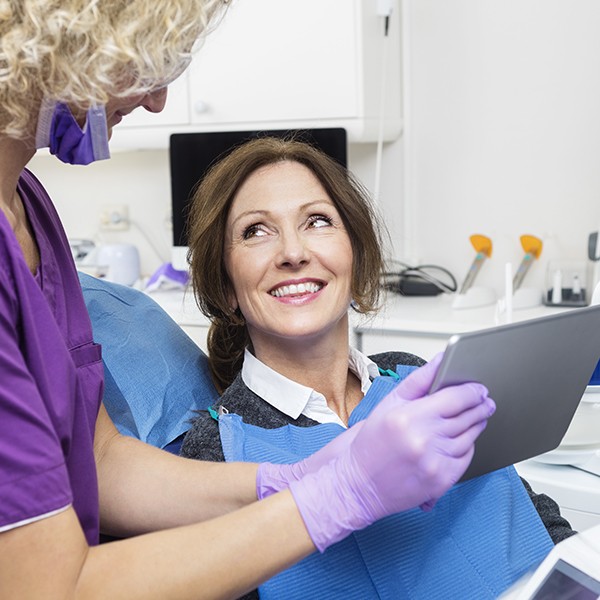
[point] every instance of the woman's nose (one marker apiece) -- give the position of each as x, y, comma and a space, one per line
155, 101
293, 251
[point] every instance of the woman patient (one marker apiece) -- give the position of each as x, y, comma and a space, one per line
283, 241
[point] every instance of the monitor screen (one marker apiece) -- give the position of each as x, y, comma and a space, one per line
191, 154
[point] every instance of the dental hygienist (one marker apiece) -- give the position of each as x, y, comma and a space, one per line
69, 71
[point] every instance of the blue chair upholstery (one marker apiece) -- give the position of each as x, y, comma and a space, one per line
155, 375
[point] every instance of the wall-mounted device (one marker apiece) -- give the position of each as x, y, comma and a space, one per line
191, 154
594, 257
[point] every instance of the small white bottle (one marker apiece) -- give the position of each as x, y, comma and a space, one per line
557, 287
576, 293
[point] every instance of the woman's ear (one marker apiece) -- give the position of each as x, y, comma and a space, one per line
232, 300
235, 316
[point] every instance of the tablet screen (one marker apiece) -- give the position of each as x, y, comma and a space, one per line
568, 583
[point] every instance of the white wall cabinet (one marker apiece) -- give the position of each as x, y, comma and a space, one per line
278, 64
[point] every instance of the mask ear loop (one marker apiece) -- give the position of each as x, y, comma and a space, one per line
96, 121
42, 133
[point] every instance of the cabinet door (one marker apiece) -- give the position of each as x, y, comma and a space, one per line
285, 64
279, 60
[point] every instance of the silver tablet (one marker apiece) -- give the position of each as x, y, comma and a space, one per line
536, 371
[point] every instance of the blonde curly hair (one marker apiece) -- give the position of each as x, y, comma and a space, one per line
84, 51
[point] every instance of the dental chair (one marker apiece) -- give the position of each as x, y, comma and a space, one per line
156, 377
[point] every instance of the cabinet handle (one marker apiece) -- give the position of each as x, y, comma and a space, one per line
200, 107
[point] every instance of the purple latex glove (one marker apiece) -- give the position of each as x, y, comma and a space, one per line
272, 478
409, 451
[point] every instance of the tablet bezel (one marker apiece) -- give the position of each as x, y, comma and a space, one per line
536, 370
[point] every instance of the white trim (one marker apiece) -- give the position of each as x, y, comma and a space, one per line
33, 519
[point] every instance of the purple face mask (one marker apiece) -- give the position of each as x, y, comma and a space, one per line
59, 131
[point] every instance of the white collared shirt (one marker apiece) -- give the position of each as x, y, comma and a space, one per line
294, 399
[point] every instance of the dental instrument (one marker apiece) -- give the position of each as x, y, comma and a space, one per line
483, 247
533, 248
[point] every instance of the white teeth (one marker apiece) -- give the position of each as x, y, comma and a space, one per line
301, 288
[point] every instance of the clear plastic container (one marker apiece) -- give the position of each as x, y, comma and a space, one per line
566, 283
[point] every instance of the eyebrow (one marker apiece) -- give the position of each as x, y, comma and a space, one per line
302, 207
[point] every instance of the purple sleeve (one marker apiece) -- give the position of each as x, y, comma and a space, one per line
33, 476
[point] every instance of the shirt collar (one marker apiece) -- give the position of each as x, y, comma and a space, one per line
294, 399
363, 367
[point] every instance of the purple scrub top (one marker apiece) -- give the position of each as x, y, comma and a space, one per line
51, 376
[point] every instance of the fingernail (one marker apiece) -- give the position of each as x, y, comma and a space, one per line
481, 390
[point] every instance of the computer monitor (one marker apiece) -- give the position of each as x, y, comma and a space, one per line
191, 154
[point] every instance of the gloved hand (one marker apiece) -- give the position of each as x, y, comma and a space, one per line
417, 386
408, 452
272, 478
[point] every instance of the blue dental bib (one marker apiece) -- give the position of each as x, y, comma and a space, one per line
480, 537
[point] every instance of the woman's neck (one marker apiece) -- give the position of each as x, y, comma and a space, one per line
14, 156
320, 364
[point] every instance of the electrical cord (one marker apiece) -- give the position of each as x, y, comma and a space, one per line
148, 240
386, 10
116, 218
420, 280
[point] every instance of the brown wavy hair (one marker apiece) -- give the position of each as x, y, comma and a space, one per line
228, 336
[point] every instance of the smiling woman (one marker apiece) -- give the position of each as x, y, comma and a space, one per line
289, 215
289, 259
283, 241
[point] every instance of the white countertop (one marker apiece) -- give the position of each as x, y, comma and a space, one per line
435, 315
413, 314
181, 306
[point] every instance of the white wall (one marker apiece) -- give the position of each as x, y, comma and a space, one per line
505, 118
503, 123
140, 180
